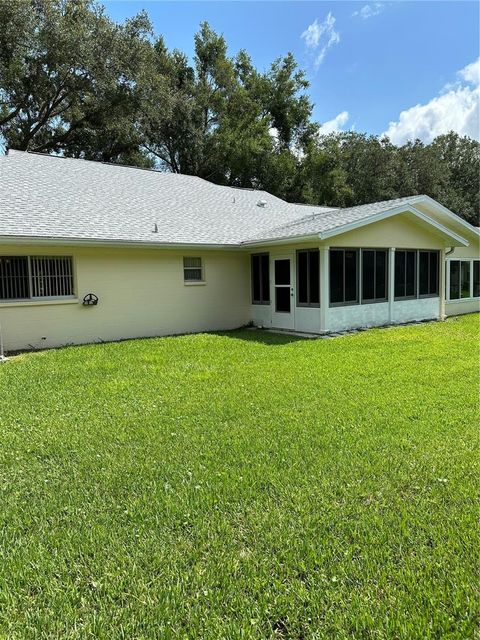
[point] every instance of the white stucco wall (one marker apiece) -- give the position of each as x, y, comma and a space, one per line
459, 307
359, 315
261, 315
307, 319
420, 309
141, 292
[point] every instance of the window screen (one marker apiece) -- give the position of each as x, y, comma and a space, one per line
476, 278
308, 278
374, 275
428, 273
260, 267
343, 276
405, 274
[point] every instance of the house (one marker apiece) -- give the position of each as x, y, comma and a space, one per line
91, 251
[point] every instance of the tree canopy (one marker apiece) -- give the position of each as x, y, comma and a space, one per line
74, 82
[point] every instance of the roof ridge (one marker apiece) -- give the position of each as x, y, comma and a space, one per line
108, 164
150, 169
306, 204
313, 216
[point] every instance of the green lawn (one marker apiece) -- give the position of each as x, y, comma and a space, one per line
243, 485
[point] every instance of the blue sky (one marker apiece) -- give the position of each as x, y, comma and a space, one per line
367, 61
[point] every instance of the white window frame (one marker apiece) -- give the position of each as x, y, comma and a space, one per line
202, 269
471, 298
33, 285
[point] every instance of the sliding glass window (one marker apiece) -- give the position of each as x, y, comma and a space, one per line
464, 279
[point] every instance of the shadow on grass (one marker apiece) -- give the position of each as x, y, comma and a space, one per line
248, 335
261, 336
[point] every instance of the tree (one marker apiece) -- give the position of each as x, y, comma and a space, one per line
460, 191
346, 169
74, 82
229, 122
69, 78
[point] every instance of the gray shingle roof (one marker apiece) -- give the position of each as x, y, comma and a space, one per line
61, 198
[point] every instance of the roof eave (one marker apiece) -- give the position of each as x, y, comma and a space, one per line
91, 242
449, 213
280, 240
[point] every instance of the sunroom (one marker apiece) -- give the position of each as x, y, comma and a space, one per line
354, 280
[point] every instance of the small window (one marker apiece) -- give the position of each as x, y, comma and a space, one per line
343, 276
308, 278
405, 274
30, 278
192, 270
374, 275
260, 267
428, 273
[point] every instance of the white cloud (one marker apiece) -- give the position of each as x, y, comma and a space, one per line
456, 108
369, 10
312, 34
335, 124
320, 36
471, 73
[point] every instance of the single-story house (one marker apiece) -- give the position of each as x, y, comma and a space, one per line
92, 251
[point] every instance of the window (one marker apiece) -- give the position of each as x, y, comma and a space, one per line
30, 278
260, 278
14, 280
343, 276
405, 274
308, 278
454, 266
476, 278
428, 272
374, 275
464, 279
192, 270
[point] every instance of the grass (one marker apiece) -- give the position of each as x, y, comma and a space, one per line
243, 485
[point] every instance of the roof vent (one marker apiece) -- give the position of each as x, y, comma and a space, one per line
155, 228
262, 203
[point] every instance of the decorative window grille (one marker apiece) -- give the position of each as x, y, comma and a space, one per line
32, 277
192, 270
52, 277
14, 279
